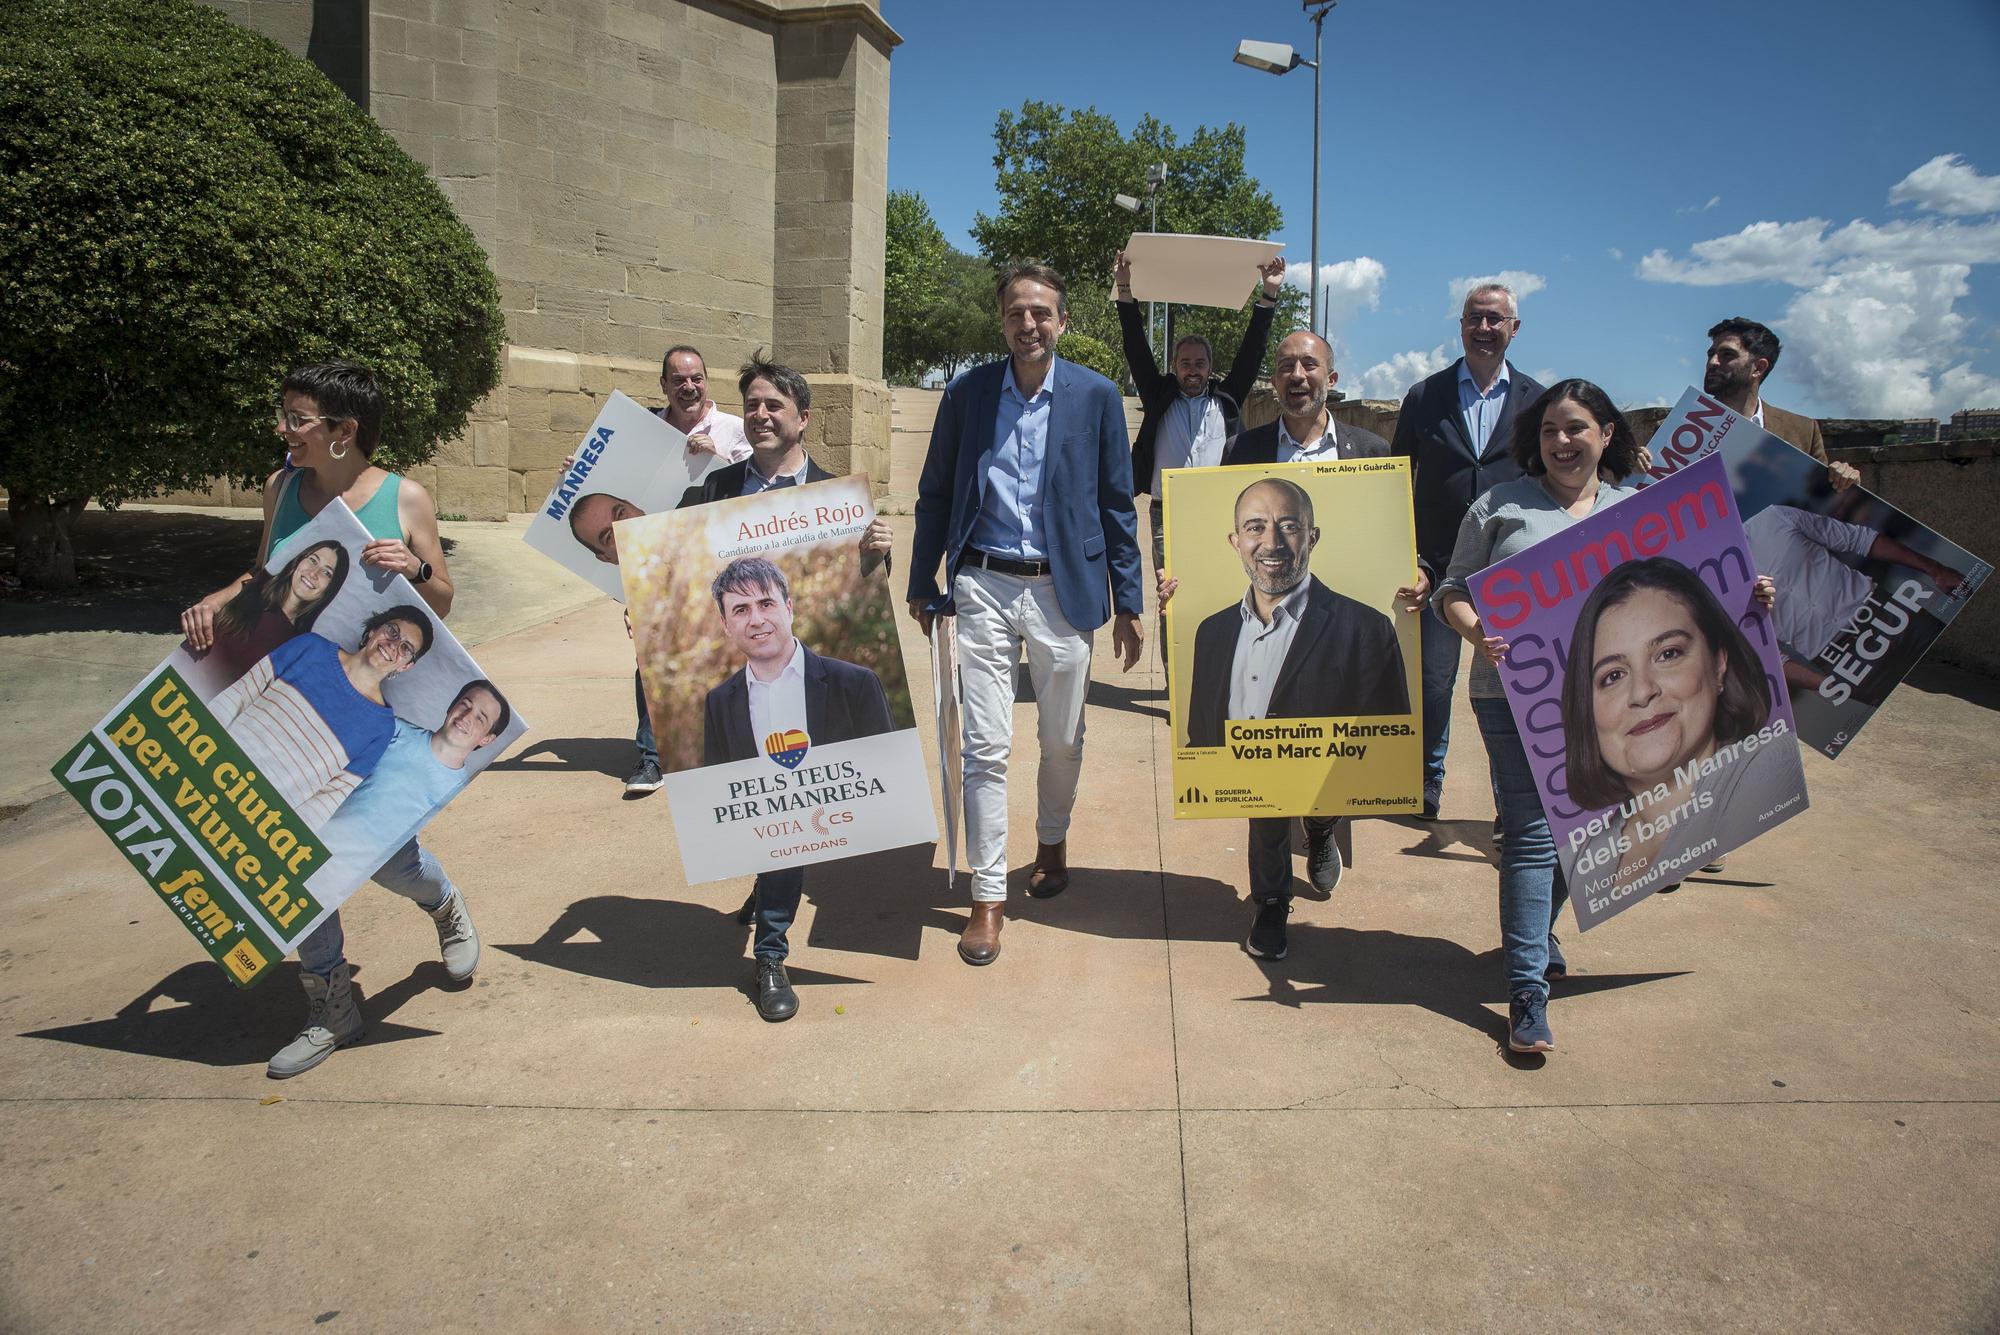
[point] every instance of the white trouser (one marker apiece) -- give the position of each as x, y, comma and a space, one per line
996, 615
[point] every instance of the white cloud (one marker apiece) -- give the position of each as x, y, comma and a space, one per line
1713, 200
1349, 286
1948, 184
1391, 379
1874, 329
1885, 341
1615, 253
1523, 283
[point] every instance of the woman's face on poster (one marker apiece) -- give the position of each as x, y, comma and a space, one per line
392, 646
1655, 683
313, 576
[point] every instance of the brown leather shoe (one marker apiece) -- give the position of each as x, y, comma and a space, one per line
979, 943
1051, 875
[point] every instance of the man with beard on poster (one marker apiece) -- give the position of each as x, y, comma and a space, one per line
1292, 648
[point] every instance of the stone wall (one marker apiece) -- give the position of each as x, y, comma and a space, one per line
711, 172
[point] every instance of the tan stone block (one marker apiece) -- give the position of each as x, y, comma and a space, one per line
470, 196
425, 41
519, 124
400, 75
517, 499
542, 368
554, 67
571, 413
387, 35
419, 10
527, 410
481, 49
590, 272
542, 450
472, 491
536, 484
462, 157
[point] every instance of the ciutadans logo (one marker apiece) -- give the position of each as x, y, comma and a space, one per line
788, 748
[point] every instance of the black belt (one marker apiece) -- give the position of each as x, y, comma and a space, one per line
1007, 565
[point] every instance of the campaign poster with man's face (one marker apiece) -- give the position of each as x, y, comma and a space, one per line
1866, 589
768, 650
258, 781
629, 463
1293, 681
1647, 685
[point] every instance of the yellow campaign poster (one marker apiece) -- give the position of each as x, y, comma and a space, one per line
1293, 672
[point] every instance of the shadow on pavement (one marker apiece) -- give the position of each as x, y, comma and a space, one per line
1324, 964
136, 570
615, 756
212, 1021
1126, 699
875, 904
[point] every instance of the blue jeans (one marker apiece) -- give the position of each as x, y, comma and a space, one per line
649, 753
410, 872
777, 895
1440, 646
1532, 888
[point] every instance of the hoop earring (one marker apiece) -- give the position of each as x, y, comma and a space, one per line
336, 453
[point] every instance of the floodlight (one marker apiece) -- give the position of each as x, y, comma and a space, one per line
1127, 203
1270, 57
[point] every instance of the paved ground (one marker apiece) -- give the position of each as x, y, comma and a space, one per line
1773, 1108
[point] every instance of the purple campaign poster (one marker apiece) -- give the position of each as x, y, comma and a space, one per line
1648, 688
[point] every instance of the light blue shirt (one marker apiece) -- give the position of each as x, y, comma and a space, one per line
408, 784
1480, 409
1010, 520
754, 481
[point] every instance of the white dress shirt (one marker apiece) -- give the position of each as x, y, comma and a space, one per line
1327, 446
780, 703
1261, 650
1191, 435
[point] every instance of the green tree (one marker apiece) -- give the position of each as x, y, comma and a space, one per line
1057, 171
187, 211
913, 287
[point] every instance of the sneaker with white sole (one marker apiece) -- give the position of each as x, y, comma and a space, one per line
333, 1020
645, 779
458, 940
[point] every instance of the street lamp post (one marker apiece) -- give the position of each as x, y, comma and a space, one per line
1156, 176
1278, 58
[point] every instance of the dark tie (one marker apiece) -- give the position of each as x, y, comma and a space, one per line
786, 481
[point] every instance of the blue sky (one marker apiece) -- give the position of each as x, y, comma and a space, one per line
1645, 169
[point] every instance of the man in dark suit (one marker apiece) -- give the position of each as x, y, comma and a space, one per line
1026, 499
836, 701
1454, 428
1292, 648
777, 405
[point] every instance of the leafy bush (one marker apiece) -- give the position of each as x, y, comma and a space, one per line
187, 211
1087, 351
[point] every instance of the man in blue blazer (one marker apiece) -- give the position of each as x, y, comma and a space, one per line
1026, 499
1454, 429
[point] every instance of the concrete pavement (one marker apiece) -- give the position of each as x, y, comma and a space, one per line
1774, 1104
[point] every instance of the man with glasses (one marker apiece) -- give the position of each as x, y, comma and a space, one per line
1454, 429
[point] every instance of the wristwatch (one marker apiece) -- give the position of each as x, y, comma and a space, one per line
423, 573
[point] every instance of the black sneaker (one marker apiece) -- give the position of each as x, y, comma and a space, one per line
775, 999
1267, 932
1323, 863
645, 779
1528, 1023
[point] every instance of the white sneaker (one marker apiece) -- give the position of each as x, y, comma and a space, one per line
458, 940
333, 1020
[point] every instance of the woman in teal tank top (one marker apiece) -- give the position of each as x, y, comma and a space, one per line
330, 418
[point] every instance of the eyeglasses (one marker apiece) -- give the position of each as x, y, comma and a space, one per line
294, 421
397, 645
1479, 318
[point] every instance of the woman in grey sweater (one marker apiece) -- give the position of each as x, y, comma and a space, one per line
1576, 451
